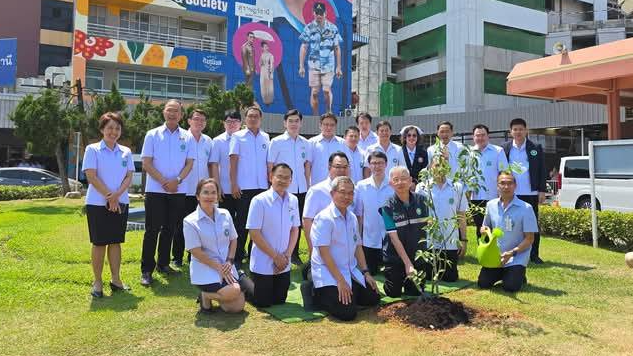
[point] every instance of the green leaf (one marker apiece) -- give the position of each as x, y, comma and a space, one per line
136, 48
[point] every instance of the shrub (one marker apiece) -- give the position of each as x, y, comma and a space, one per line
614, 229
15, 192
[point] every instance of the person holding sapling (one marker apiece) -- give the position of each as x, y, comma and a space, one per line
518, 222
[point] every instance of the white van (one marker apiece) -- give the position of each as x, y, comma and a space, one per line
137, 177
575, 190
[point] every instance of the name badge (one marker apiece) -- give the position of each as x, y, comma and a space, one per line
507, 224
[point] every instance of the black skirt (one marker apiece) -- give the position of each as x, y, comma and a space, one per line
106, 227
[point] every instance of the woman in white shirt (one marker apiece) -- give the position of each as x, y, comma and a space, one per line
211, 239
108, 167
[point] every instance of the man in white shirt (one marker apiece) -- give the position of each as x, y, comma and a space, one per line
219, 161
248, 172
167, 158
323, 145
492, 160
202, 146
355, 155
367, 136
395, 157
295, 151
273, 223
448, 148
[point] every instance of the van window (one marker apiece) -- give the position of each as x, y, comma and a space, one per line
138, 166
577, 168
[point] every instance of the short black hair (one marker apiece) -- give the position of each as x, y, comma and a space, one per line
363, 114
445, 123
280, 165
383, 123
376, 154
351, 128
233, 115
264, 43
293, 112
481, 126
518, 121
256, 108
250, 33
337, 154
507, 173
328, 115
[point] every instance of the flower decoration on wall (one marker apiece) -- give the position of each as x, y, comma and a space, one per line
88, 46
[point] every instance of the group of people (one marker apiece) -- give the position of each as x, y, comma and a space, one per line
356, 198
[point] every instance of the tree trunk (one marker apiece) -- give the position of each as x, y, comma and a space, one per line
61, 164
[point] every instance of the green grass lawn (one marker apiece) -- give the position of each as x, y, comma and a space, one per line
579, 303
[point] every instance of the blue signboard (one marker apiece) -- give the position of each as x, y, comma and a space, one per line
8, 61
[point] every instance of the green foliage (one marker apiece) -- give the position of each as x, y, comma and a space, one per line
145, 117
15, 192
113, 101
220, 101
614, 229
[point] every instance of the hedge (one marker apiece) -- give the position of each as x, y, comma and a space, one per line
614, 229
15, 192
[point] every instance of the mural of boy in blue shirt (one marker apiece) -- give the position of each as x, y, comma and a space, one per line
320, 41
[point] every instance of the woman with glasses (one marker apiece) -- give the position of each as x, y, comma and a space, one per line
415, 154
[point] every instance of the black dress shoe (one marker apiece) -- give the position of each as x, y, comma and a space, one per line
165, 270
537, 260
121, 288
146, 279
97, 293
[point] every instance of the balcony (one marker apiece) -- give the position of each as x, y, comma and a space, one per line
126, 34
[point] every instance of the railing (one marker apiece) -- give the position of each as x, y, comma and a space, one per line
127, 34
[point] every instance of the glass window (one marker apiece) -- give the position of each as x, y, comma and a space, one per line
53, 56
174, 86
11, 174
94, 78
56, 15
577, 168
126, 82
159, 85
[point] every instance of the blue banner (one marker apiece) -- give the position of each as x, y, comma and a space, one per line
202, 61
8, 61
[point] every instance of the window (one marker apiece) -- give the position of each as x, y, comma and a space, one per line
354, 62
53, 56
11, 174
94, 78
193, 25
162, 86
97, 14
577, 168
57, 15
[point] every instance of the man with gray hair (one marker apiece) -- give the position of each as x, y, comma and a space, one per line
340, 276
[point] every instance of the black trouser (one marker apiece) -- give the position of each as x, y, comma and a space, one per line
229, 203
533, 200
241, 212
270, 289
450, 270
327, 299
512, 277
373, 257
163, 212
396, 278
301, 197
178, 246
478, 216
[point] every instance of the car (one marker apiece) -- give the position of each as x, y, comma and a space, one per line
574, 187
28, 176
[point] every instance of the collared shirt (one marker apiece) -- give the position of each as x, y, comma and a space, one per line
395, 157
321, 41
364, 143
492, 160
294, 152
454, 149
252, 171
515, 220
220, 155
356, 160
339, 232
214, 237
448, 200
411, 153
317, 198
274, 216
368, 199
112, 167
169, 151
519, 155
322, 148
200, 170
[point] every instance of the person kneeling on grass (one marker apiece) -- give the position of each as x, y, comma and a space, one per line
518, 222
339, 272
273, 223
211, 239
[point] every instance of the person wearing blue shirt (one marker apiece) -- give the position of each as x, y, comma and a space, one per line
108, 167
367, 136
320, 40
518, 222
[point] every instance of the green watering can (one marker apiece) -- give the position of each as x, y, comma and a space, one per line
488, 252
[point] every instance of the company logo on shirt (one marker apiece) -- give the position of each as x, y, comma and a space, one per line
124, 163
263, 145
303, 155
533, 153
451, 201
182, 147
418, 211
226, 232
355, 237
489, 163
395, 160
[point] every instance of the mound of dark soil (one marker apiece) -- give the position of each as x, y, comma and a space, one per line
435, 313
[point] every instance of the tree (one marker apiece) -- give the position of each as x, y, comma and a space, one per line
101, 104
45, 123
220, 101
144, 117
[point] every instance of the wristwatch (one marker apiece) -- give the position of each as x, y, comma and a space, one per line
363, 271
230, 260
178, 179
514, 253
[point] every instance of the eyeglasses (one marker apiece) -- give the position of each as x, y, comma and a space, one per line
339, 167
232, 122
398, 180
